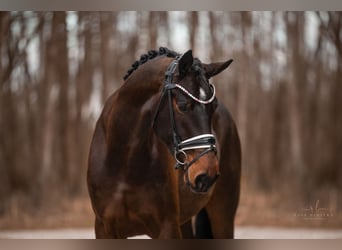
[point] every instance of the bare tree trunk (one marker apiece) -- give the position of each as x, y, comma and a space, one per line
215, 45
107, 22
243, 90
296, 95
152, 29
62, 109
84, 88
193, 28
7, 119
46, 107
9, 133
335, 29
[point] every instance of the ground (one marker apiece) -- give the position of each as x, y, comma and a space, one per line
255, 209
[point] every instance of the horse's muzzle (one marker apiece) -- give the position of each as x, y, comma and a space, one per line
203, 182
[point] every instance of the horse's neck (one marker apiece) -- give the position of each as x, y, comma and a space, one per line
131, 141
129, 118
146, 81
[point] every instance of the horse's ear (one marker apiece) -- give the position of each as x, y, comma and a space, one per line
185, 62
213, 69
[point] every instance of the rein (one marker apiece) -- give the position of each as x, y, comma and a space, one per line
204, 141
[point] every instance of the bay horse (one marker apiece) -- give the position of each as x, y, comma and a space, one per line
165, 158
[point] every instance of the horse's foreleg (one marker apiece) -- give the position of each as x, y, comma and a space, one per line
202, 225
187, 232
170, 230
221, 213
105, 230
222, 207
221, 221
100, 232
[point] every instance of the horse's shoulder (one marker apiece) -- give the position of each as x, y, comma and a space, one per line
225, 128
223, 118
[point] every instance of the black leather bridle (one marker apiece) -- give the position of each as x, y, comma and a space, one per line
204, 141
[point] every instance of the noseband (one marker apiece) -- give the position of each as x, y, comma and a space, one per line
204, 141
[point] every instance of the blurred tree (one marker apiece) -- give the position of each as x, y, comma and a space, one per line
283, 89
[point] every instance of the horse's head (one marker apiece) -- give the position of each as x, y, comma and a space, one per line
183, 119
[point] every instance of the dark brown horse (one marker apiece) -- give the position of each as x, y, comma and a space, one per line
165, 114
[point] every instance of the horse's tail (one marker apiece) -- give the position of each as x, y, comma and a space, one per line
202, 225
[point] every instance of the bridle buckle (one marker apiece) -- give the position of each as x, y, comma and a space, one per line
181, 158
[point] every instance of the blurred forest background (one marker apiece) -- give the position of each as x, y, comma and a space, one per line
284, 91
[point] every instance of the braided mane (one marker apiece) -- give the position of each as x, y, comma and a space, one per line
150, 55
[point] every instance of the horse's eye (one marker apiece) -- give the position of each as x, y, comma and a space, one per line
184, 107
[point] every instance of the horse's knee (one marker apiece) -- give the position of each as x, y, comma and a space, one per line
221, 222
99, 229
187, 232
170, 230
104, 230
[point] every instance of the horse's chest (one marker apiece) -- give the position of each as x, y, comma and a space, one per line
138, 210
191, 203
133, 210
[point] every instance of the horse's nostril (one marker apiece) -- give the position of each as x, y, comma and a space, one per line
202, 178
202, 182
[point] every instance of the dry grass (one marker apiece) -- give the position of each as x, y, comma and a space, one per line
283, 208
255, 208
58, 213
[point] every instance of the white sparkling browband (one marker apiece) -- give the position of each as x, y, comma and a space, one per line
195, 98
